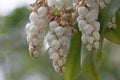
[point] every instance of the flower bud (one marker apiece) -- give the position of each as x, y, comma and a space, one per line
81, 24
28, 26
35, 42
82, 11
96, 24
33, 17
51, 3
88, 29
89, 47
42, 11
55, 44
96, 35
53, 25
59, 31
92, 15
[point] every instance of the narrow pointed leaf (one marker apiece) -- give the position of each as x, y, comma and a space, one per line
88, 63
114, 34
73, 60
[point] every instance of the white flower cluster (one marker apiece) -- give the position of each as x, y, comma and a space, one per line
88, 24
112, 23
60, 4
36, 30
58, 38
61, 27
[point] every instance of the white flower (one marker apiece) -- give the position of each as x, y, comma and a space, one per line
84, 39
34, 30
56, 67
50, 37
88, 29
40, 23
82, 11
96, 24
92, 15
89, 47
92, 5
62, 52
96, 35
64, 40
102, 4
60, 62
42, 11
51, 51
55, 44
51, 3
110, 25
113, 19
28, 26
35, 42
90, 40
55, 56
96, 44
60, 4
33, 17
31, 48
53, 25
29, 38
35, 54
80, 18
59, 31
81, 24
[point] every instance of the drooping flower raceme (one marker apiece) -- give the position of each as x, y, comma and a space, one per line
88, 24
58, 38
36, 30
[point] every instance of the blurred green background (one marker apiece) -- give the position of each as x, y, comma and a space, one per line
16, 64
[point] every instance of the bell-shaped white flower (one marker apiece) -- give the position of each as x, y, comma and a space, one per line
53, 25
82, 10
59, 31
42, 11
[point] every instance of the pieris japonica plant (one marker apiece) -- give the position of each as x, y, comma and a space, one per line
74, 31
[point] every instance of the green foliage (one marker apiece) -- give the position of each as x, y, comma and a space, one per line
114, 34
15, 19
21, 14
78, 59
73, 60
88, 63
14, 48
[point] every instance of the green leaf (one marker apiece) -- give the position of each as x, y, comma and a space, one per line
107, 13
114, 34
17, 18
89, 63
73, 60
